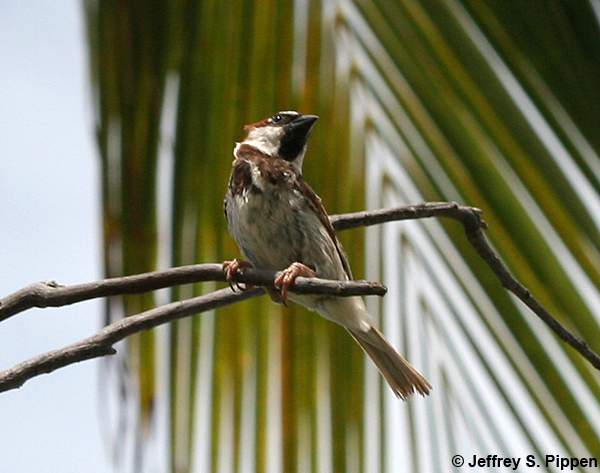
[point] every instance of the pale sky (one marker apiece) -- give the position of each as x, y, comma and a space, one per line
49, 229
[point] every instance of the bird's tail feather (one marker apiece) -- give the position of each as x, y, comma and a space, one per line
402, 377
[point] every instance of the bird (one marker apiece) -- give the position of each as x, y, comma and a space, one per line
279, 223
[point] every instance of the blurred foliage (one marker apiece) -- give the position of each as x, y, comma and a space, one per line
505, 119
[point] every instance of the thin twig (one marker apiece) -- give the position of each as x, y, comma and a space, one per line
102, 343
52, 294
473, 225
470, 217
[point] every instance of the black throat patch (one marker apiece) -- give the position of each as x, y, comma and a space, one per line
292, 143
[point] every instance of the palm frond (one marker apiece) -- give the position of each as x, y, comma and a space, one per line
493, 104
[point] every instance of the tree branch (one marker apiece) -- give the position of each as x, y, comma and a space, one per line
102, 343
473, 225
53, 294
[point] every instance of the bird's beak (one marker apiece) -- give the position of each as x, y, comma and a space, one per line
303, 124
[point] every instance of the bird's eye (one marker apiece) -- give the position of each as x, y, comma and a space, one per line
276, 118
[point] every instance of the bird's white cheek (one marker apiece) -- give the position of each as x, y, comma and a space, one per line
266, 139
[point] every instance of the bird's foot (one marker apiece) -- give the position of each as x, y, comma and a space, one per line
275, 295
286, 278
231, 269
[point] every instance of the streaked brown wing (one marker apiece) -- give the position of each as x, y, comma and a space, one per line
317, 206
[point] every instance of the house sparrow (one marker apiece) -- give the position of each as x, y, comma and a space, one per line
279, 223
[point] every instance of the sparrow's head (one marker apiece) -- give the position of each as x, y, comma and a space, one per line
283, 136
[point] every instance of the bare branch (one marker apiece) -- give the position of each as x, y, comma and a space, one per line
473, 225
52, 294
470, 217
102, 343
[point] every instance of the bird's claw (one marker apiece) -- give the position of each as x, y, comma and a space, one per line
286, 278
231, 269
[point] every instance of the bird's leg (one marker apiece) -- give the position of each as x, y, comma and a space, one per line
231, 269
286, 278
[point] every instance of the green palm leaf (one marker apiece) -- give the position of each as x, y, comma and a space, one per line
493, 104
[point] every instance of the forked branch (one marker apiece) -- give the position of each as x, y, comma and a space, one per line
473, 225
53, 294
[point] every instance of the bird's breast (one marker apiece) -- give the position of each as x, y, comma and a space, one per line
274, 226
